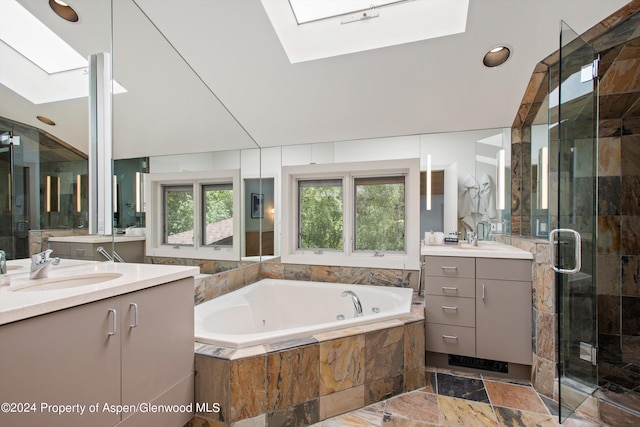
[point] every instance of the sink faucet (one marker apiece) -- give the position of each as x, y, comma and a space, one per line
40, 264
356, 303
472, 238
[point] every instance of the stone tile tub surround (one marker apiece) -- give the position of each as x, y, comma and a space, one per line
209, 286
305, 381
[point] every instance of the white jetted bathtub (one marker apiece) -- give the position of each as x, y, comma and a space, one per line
273, 310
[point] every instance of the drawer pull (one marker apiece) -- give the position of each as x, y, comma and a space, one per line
449, 307
450, 288
449, 267
449, 337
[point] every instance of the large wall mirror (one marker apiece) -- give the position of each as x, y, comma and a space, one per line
469, 176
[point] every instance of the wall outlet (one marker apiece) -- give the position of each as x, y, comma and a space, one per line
496, 227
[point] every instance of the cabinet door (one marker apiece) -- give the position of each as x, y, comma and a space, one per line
157, 342
503, 321
63, 358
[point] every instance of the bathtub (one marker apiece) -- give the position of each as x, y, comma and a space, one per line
273, 310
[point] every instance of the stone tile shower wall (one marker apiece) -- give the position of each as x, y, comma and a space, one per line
618, 248
618, 215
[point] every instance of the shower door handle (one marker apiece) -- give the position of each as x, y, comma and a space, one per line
577, 252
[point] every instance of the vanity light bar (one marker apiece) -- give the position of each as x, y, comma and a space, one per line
428, 202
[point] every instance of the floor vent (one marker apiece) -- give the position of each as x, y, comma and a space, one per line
484, 364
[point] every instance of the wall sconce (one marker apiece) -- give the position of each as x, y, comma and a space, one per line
500, 180
115, 194
543, 178
138, 190
78, 193
52, 199
428, 201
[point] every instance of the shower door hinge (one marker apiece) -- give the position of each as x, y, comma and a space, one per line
589, 72
588, 352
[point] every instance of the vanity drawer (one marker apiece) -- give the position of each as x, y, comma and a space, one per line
504, 269
450, 339
450, 286
450, 266
450, 310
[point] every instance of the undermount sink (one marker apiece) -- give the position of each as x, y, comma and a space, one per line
55, 283
480, 246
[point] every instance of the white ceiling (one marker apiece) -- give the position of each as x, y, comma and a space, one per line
209, 75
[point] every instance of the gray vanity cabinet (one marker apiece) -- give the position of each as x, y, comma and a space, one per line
103, 353
61, 358
503, 310
479, 307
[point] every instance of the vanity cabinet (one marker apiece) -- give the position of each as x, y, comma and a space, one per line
132, 349
479, 307
503, 310
86, 247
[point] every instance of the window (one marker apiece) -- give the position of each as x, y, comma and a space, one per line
178, 214
193, 215
380, 214
320, 210
217, 218
352, 214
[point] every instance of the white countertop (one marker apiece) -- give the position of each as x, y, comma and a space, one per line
489, 249
16, 304
96, 238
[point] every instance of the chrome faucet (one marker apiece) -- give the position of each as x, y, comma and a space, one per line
40, 264
472, 238
356, 303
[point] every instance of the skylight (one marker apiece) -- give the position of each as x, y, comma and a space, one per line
38, 64
35, 41
324, 34
313, 10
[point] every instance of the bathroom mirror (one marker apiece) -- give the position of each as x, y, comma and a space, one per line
453, 158
160, 106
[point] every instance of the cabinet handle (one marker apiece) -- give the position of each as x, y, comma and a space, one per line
449, 307
449, 337
482, 291
135, 314
114, 322
448, 267
450, 288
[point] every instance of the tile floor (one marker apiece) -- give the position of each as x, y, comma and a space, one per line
460, 399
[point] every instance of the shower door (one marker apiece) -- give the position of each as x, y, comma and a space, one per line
14, 206
573, 211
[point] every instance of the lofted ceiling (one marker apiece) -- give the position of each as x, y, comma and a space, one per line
210, 75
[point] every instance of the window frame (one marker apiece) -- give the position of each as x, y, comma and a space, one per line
348, 172
154, 207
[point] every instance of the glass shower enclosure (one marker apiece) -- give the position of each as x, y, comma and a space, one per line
573, 189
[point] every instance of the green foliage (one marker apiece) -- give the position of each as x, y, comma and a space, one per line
321, 217
218, 205
179, 211
380, 217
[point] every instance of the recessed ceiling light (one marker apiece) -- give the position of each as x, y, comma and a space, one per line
63, 10
46, 120
496, 56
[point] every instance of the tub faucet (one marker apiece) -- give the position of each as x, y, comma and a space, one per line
41, 263
356, 303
